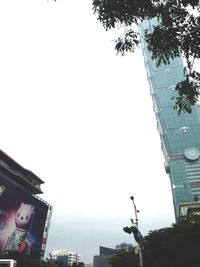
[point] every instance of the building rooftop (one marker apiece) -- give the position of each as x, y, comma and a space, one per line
22, 176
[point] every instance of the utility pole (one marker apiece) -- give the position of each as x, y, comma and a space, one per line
135, 223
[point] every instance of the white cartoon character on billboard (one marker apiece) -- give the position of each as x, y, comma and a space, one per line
20, 240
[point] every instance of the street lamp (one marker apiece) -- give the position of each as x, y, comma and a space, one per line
139, 236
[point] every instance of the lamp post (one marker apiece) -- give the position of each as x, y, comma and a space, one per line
136, 225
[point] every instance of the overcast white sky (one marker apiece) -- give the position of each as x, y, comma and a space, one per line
80, 118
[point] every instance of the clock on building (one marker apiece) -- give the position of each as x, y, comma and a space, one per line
192, 153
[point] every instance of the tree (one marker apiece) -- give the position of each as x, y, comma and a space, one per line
124, 258
79, 264
176, 246
26, 261
178, 32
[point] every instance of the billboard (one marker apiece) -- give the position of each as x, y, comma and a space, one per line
22, 220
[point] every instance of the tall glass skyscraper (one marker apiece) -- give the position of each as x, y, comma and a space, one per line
179, 134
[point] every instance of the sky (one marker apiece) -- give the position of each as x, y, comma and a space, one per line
81, 118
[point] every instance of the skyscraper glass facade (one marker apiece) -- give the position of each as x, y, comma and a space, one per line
179, 134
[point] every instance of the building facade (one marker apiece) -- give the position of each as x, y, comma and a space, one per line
102, 260
124, 246
67, 257
24, 217
179, 134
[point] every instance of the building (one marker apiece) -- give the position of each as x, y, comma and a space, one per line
124, 246
67, 257
102, 260
24, 217
179, 134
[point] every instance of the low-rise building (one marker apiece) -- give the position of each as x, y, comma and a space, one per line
67, 257
124, 246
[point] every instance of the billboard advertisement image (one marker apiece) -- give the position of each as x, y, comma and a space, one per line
22, 220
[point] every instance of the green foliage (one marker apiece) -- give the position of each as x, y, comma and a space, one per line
167, 47
79, 264
127, 42
124, 258
188, 92
26, 261
193, 3
127, 12
177, 32
176, 246
58, 263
